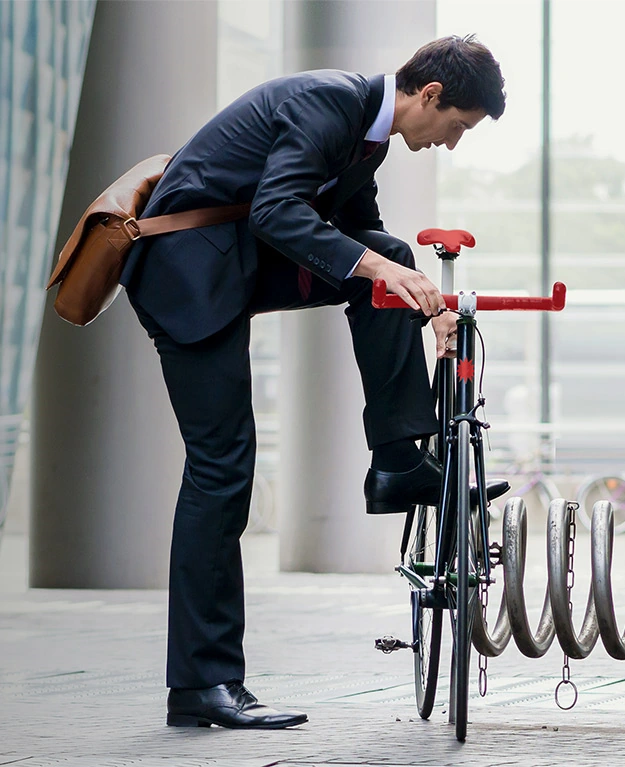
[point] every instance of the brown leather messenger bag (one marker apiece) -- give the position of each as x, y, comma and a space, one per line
91, 261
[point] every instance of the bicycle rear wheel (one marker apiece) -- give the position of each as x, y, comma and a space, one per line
427, 623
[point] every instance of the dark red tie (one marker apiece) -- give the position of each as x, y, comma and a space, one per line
304, 282
369, 149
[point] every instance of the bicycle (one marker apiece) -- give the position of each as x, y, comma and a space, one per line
538, 490
609, 488
449, 566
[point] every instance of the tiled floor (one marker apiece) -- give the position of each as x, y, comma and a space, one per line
82, 683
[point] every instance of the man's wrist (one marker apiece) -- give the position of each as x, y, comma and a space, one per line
369, 265
352, 271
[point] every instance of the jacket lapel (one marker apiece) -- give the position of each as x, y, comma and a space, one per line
359, 169
374, 102
354, 177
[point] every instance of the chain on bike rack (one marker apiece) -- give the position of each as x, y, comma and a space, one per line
556, 618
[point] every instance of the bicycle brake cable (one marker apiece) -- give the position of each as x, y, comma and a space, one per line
480, 395
479, 334
481, 379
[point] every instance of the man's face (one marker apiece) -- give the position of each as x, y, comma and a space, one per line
422, 124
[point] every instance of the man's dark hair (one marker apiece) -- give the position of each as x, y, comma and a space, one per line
467, 70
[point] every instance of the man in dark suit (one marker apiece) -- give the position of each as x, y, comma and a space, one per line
303, 151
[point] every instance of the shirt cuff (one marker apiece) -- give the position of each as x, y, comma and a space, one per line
353, 269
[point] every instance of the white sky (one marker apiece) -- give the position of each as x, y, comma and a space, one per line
588, 68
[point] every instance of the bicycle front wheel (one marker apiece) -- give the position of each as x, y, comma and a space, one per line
463, 589
427, 623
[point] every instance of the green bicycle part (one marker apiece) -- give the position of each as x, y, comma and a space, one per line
423, 568
418, 571
452, 578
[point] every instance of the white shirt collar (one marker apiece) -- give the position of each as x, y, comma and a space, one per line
380, 131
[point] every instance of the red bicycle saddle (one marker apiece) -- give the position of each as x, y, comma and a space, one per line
451, 239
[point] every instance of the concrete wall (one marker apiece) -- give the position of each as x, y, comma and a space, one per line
106, 453
324, 457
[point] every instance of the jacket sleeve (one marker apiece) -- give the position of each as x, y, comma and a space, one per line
316, 132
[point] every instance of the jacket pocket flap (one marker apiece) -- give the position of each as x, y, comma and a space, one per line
219, 235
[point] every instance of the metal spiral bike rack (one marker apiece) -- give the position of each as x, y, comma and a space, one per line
556, 617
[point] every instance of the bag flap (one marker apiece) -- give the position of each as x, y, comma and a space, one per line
125, 197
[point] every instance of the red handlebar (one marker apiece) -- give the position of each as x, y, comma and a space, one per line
555, 303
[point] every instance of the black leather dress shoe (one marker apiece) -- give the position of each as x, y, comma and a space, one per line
228, 705
390, 492
387, 492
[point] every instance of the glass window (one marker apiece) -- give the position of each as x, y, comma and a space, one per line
491, 185
43, 49
588, 229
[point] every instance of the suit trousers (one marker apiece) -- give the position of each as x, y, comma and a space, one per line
209, 384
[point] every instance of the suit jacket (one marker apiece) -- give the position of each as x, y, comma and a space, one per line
274, 146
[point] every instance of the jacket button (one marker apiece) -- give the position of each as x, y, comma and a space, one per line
316, 261
310, 256
322, 264
328, 268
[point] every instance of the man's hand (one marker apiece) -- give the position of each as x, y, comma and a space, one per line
413, 287
445, 330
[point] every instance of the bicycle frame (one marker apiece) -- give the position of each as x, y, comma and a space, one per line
465, 411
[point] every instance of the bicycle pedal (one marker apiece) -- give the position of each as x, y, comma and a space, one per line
495, 551
389, 644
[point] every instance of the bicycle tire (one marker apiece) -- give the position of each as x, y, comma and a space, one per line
604, 488
465, 593
537, 493
427, 622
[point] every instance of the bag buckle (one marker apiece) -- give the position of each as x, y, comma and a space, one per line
131, 224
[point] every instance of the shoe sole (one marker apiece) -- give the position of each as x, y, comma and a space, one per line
384, 507
184, 720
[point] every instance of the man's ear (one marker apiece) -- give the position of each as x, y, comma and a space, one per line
430, 93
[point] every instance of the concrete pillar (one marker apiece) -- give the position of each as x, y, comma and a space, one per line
106, 453
324, 457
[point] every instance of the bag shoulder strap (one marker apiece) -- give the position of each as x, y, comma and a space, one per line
188, 219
